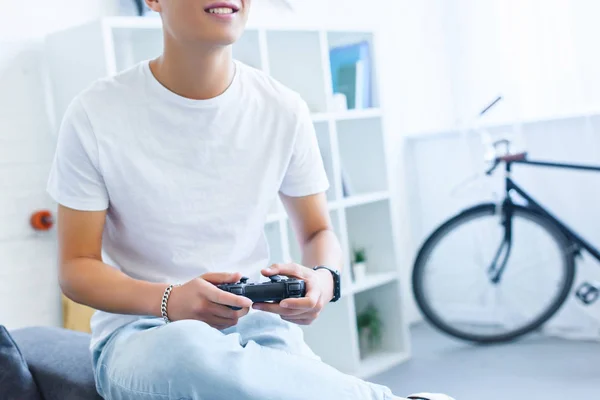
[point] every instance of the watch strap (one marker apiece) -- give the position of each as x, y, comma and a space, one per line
337, 290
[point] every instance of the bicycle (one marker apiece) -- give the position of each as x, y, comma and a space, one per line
515, 229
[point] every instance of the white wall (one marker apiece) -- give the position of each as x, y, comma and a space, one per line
541, 55
28, 260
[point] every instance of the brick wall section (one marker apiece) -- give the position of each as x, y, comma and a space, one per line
28, 268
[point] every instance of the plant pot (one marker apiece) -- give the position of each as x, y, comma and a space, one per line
360, 271
363, 342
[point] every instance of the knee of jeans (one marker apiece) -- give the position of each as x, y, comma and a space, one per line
198, 357
188, 337
193, 344
189, 355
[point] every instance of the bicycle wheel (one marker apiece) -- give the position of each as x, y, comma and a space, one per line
455, 293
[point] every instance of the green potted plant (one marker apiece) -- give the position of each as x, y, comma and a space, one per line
370, 329
359, 264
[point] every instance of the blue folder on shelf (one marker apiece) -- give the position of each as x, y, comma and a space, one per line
351, 73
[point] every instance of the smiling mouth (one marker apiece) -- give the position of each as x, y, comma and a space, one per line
222, 10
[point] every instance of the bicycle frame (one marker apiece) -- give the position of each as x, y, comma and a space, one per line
577, 240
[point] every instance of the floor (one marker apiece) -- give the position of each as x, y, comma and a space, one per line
536, 368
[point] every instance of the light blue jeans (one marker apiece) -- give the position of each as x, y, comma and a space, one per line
262, 358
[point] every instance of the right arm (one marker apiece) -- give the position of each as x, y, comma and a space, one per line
77, 185
86, 279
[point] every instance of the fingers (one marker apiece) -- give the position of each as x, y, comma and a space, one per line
293, 270
217, 278
224, 298
277, 309
226, 312
310, 301
303, 319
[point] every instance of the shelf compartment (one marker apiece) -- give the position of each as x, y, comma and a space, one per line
329, 333
288, 50
368, 198
372, 281
386, 300
344, 49
379, 362
361, 144
358, 114
347, 115
324, 139
370, 227
134, 45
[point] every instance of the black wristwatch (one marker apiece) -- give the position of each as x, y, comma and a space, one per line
337, 290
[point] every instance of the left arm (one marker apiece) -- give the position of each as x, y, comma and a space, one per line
311, 222
302, 192
320, 246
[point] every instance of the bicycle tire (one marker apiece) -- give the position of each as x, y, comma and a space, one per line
490, 209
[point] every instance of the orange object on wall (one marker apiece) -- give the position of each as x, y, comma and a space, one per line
42, 220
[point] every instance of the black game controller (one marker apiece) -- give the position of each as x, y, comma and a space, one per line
279, 288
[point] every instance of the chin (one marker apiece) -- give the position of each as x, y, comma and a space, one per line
225, 40
222, 38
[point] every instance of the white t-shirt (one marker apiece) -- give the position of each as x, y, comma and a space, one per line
188, 184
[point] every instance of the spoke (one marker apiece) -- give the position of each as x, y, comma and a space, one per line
478, 254
444, 270
511, 310
448, 284
445, 291
529, 268
535, 289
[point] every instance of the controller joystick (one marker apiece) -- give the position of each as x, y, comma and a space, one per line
276, 278
244, 279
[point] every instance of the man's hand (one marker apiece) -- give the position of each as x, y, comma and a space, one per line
305, 310
201, 300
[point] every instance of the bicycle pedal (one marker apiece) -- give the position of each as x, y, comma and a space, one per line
588, 293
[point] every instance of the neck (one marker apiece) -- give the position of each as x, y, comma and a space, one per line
197, 73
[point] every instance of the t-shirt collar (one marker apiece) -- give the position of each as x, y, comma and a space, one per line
160, 90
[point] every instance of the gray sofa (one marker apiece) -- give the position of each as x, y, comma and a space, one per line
45, 364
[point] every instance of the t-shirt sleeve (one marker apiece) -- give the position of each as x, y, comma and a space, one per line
75, 180
305, 174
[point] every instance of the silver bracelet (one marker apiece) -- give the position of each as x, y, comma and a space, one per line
165, 299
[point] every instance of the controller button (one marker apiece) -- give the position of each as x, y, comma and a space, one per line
237, 290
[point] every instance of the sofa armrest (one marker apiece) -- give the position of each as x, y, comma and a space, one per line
60, 362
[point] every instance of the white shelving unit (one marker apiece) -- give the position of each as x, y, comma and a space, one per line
351, 141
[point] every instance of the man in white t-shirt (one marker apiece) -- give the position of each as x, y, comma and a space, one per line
164, 175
